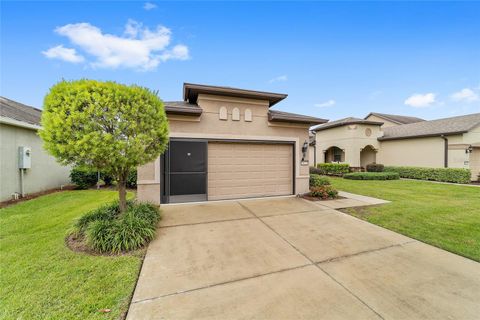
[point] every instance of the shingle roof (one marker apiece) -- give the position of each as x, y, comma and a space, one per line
446, 126
19, 111
182, 108
395, 118
275, 115
343, 122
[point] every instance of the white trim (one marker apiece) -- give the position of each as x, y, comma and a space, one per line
18, 123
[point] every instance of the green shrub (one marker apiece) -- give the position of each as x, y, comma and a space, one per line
132, 179
324, 192
106, 231
317, 180
455, 175
83, 178
315, 170
375, 167
336, 169
372, 176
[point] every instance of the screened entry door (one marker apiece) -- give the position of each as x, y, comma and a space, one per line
187, 171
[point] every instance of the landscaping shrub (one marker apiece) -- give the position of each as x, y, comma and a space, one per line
83, 178
372, 176
455, 175
132, 180
318, 180
335, 169
324, 192
106, 231
315, 170
375, 167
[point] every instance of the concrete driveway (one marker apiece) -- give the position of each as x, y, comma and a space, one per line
288, 258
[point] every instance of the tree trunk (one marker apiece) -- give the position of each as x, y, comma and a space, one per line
122, 192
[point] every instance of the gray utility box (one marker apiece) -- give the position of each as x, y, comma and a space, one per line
24, 157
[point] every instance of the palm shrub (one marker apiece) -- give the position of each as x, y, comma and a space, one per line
106, 230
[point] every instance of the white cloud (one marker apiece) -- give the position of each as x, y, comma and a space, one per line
62, 53
149, 6
138, 47
279, 78
465, 95
421, 100
325, 104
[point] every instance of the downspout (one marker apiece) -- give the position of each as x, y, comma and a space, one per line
445, 156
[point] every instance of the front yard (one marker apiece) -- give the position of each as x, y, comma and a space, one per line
40, 278
446, 216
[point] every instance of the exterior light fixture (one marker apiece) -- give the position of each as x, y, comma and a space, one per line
304, 150
469, 149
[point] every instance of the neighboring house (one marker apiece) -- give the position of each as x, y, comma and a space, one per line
390, 120
451, 142
227, 143
19, 124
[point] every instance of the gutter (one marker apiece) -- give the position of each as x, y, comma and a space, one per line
21, 124
445, 155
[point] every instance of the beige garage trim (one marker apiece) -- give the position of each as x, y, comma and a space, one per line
244, 170
475, 164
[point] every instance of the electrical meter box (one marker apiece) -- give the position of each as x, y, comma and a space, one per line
24, 158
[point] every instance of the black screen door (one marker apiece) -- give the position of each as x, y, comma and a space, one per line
187, 171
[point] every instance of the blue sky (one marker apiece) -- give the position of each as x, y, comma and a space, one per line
333, 59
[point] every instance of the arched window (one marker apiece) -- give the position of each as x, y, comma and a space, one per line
248, 115
223, 114
236, 114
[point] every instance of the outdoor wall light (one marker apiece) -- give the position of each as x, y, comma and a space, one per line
304, 150
469, 149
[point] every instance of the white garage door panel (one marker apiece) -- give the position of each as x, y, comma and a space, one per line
241, 170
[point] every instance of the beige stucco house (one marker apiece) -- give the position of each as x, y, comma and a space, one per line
228, 143
19, 124
400, 141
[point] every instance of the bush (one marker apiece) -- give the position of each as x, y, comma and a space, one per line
83, 178
375, 167
317, 180
335, 169
315, 170
324, 192
106, 231
107, 178
372, 176
132, 180
455, 175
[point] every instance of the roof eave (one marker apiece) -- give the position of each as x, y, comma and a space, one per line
184, 111
191, 97
422, 136
292, 119
347, 124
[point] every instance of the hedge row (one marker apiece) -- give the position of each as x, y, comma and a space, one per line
336, 169
435, 174
85, 178
372, 176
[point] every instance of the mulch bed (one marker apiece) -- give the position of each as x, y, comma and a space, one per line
78, 245
310, 198
34, 195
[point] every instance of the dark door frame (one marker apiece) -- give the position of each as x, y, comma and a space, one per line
165, 161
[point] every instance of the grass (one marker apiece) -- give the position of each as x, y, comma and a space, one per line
40, 278
446, 216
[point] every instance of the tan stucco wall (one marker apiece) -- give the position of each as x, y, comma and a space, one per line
420, 152
209, 126
350, 138
45, 172
386, 123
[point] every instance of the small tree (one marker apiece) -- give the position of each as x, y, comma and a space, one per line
104, 125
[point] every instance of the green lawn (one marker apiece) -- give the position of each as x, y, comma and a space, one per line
42, 279
446, 216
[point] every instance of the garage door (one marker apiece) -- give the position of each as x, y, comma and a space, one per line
243, 170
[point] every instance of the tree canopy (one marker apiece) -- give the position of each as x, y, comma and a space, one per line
104, 125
